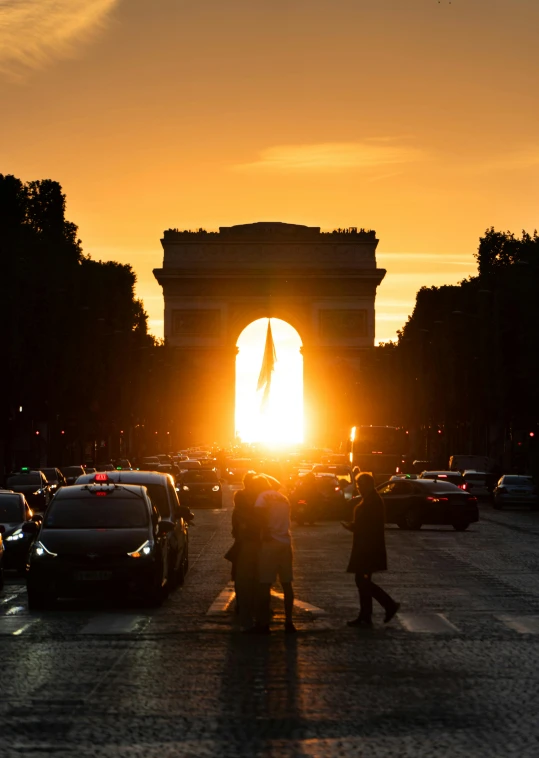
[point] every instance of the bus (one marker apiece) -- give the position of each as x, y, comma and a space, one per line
378, 450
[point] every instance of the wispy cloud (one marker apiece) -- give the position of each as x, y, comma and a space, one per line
333, 156
33, 32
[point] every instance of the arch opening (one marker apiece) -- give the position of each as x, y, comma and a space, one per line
272, 416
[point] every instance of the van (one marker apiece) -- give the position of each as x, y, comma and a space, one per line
470, 462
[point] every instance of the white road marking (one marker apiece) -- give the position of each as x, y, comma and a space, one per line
15, 626
223, 600
423, 623
521, 624
23, 628
9, 598
114, 624
314, 609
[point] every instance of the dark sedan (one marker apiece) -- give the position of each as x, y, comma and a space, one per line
201, 487
14, 514
412, 503
97, 538
33, 485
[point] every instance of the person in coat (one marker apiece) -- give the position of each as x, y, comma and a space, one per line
244, 552
369, 552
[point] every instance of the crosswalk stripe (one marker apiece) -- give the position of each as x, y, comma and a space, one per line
313, 609
521, 624
223, 600
426, 623
114, 624
14, 596
11, 625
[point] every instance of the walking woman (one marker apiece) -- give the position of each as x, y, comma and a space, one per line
369, 552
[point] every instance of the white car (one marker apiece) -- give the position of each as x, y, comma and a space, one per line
515, 489
478, 483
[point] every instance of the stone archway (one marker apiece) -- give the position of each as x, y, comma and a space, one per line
216, 283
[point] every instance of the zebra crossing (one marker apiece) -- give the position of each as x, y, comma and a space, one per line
16, 621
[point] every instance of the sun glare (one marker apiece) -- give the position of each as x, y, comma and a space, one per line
280, 419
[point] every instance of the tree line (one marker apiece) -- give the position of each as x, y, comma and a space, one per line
462, 376
79, 367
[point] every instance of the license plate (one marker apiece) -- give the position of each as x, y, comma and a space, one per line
92, 576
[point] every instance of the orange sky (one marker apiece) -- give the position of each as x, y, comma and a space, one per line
417, 118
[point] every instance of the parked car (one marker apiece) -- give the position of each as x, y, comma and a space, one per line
201, 487
410, 503
453, 477
515, 489
72, 472
163, 495
33, 485
99, 537
14, 514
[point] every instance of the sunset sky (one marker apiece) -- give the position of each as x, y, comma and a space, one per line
417, 118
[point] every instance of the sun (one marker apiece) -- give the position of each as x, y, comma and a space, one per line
280, 420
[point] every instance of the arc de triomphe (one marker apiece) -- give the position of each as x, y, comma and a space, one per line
216, 283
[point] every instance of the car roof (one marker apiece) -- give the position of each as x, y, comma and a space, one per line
130, 477
442, 473
426, 483
518, 476
83, 491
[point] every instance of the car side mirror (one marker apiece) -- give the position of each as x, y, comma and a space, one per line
30, 527
165, 527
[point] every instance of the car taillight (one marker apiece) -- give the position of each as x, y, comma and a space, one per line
462, 486
337, 489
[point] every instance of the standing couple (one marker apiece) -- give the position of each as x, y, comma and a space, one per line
262, 552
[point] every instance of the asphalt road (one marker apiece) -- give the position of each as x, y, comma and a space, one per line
455, 674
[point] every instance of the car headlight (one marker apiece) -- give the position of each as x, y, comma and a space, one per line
216, 488
40, 551
37, 492
185, 488
17, 535
143, 551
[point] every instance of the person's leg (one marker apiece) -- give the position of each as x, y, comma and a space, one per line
363, 583
386, 601
262, 607
246, 583
288, 592
381, 596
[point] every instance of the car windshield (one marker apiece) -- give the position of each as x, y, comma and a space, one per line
475, 477
72, 471
50, 473
10, 509
97, 513
24, 479
205, 475
523, 481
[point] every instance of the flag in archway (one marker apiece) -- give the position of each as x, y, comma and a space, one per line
268, 367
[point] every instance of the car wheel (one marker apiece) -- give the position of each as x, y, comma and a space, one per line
410, 521
461, 527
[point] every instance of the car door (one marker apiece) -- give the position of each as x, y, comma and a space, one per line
398, 498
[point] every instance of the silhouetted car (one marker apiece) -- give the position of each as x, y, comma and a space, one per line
33, 485
121, 464
410, 503
149, 463
14, 514
201, 487
453, 477
163, 495
515, 489
236, 469
55, 478
343, 474
96, 538
71, 473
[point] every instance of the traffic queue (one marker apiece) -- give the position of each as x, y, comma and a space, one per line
83, 529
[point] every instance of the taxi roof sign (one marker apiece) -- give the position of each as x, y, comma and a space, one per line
101, 477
